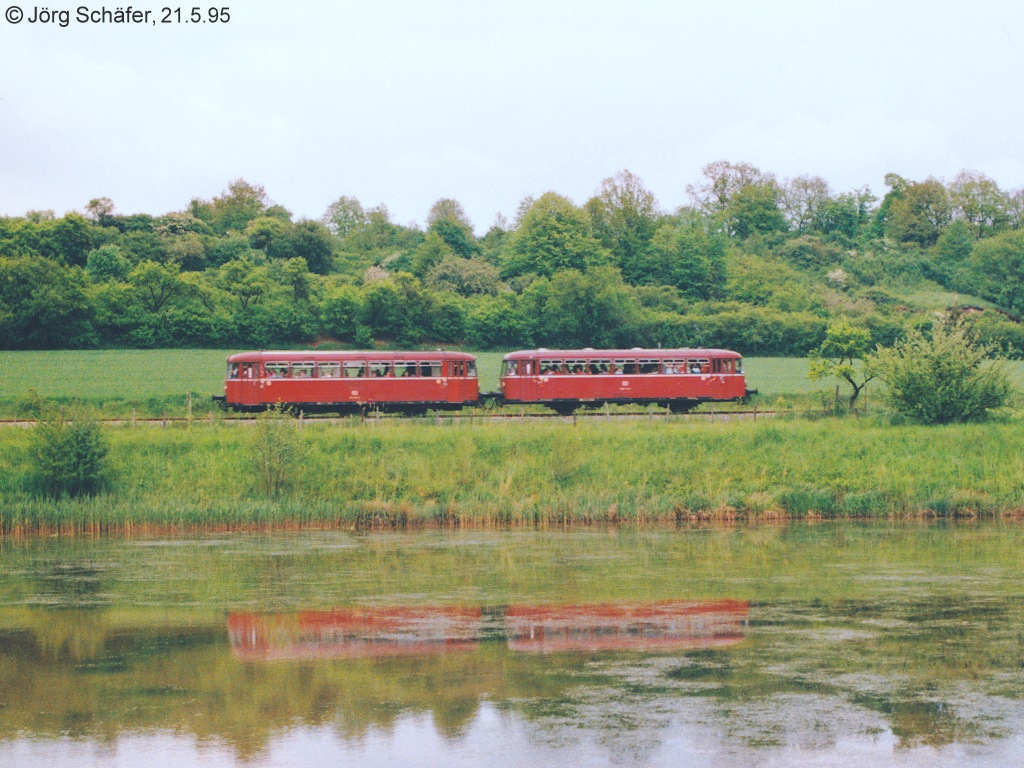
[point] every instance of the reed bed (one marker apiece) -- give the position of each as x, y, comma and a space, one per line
355, 474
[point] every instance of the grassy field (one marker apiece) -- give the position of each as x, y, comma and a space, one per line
151, 382
154, 382
541, 473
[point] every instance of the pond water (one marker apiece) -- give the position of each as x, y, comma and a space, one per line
803, 645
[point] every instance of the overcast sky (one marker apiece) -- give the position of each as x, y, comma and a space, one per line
403, 103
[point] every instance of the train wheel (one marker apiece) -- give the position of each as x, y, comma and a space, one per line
681, 406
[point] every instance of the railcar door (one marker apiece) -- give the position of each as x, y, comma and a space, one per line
249, 389
456, 381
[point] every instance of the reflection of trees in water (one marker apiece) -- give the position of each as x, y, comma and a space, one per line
77, 583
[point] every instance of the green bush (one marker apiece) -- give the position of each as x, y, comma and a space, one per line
942, 379
69, 456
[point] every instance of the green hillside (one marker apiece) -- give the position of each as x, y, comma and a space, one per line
752, 263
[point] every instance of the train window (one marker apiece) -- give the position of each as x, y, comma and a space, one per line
624, 366
403, 369
379, 370
650, 366
430, 368
232, 370
601, 367
510, 368
550, 367
302, 370
354, 369
277, 370
739, 365
249, 371
328, 370
673, 366
471, 369
575, 366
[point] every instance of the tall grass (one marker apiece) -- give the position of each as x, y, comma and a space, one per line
534, 474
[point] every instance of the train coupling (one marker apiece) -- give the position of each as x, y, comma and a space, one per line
488, 399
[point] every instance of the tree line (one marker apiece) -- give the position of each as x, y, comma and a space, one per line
750, 263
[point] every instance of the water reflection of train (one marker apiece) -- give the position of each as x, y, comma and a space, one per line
354, 632
414, 382
633, 627
424, 630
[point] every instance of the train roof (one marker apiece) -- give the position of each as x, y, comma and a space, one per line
317, 356
589, 354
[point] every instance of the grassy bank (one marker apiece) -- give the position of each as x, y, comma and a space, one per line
528, 473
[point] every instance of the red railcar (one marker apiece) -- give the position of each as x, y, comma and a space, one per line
342, 382
678, 379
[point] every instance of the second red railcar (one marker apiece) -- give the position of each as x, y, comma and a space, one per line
678, 379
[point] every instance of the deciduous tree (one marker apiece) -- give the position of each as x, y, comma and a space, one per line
978, 200
554, 235
624, 217
915, 211
841, 356
997, 267
344, 215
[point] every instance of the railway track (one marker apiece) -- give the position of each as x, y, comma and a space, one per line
377, 417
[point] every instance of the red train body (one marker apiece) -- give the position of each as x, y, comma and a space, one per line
351, 381
414, 382
679, 379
